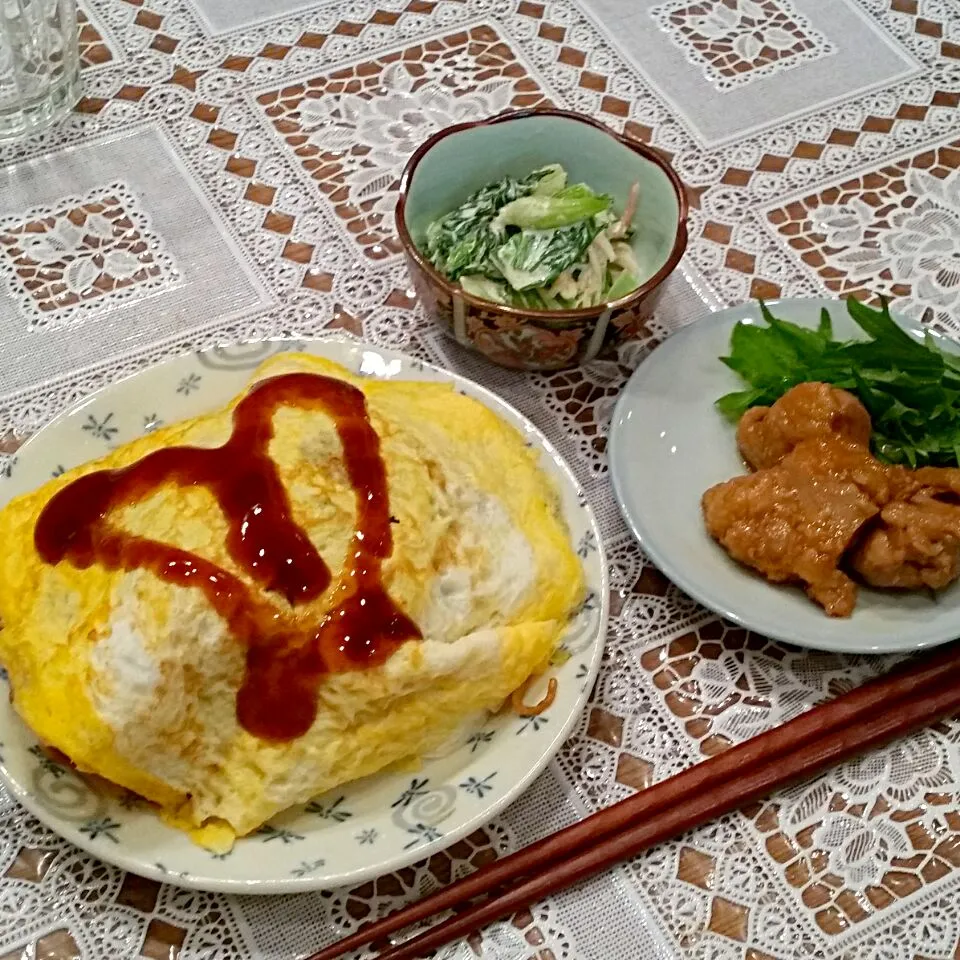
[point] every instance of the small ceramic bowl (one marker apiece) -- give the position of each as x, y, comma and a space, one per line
460, 159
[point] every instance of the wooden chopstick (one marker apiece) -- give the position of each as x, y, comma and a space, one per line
691, 812
827, 734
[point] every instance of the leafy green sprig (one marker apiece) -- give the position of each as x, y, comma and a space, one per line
910, 387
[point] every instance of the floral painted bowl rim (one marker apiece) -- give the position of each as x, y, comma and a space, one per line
557, 316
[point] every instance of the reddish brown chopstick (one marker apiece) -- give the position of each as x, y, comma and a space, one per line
692, 811
881, 710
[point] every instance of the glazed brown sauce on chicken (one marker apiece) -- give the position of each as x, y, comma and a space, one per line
288, 652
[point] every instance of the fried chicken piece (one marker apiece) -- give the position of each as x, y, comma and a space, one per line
765, 435
845, 461
917, 543
802, 513
917, 546
793, 523
944, 481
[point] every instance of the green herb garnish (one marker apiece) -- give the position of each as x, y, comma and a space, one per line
910, 388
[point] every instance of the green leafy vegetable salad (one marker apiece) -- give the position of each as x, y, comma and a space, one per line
538, 243
910, 388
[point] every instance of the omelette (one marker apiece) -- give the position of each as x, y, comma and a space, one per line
329, 577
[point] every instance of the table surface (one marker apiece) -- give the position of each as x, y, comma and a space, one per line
253, 153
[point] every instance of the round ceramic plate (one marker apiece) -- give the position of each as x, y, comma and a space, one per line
668, 444
368, 827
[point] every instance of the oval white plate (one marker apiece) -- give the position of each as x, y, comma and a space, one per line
369, 827
668, 444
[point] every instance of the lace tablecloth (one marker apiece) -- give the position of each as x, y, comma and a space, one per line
820, 144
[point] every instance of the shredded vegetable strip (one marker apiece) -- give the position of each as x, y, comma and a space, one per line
532, 710
629, 211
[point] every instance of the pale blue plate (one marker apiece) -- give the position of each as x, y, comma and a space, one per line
668, 444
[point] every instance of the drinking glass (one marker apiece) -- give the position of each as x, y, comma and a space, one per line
39, 64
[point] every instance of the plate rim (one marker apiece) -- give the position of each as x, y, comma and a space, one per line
673, 571
492, 809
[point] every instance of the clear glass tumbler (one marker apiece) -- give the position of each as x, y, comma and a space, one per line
39, 64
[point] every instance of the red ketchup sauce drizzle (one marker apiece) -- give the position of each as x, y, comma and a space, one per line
288, 652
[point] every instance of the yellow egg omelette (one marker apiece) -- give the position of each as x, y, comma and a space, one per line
232, 637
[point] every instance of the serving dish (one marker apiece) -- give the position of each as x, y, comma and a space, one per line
460, 159
369, 827
668, 444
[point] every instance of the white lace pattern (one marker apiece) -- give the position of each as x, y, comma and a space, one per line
285, 135
737, 42
86, 252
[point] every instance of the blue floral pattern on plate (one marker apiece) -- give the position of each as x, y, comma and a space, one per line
103, 428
